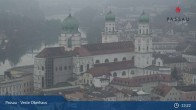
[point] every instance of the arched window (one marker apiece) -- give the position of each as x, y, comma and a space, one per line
124, 59
123, 73
115, 60
106, 61
114, 74
97, 61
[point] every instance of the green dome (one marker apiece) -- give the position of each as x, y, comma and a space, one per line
70, 25
144, 18
110, 16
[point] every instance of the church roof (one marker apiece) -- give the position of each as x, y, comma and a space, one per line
106, 68
70, 25
105, 48
54, 52
138, 80
144, 18
117, 65
110, 16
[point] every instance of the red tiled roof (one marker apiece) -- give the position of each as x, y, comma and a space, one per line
52, 52
99, 71
141, 80
106, 68
124, 82
81, 51
105, 48
117, 65
162, 90
152, 78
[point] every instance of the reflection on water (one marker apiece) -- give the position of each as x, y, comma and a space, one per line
26, 59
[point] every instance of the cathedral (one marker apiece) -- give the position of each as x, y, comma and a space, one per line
97, 64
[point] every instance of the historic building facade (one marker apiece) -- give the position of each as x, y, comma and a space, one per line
70, 36
97, 64
110, 34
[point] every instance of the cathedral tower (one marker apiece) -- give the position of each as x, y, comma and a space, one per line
143, 43
110, 34
70, 36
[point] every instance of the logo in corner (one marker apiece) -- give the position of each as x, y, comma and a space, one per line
178, 9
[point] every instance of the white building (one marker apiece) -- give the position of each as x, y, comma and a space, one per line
17, 81
143, 43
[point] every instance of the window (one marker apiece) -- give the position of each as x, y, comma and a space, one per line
132, 58
42, 82
132, 72
147, 48
65, 67
97, 61
87, 66
81, 68
124, 59
38, 67
69, 67
123, 73
115, 60
84, 81
106, 61
146, 31
114, 74
139, 48
42, 68
69, 43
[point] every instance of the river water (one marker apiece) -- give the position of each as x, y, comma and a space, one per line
26, 59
